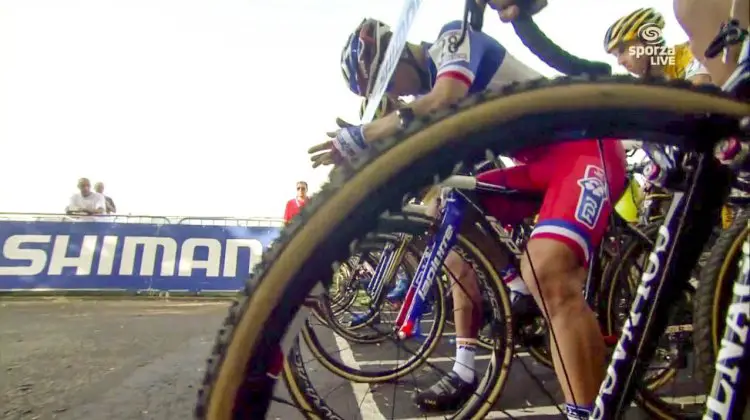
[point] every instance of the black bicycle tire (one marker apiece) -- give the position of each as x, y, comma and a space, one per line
714, 292
235, 383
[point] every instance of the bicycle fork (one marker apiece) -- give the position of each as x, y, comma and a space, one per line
451, 217
375, 285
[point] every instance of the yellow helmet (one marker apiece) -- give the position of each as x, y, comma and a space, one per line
387, 105
645, 24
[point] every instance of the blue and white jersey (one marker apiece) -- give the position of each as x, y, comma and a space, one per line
480, 61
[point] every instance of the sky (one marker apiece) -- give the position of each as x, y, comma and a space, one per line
205, 107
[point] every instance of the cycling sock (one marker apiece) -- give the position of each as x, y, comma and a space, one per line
577, 412
465, 351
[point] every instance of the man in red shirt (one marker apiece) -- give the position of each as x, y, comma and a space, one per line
293, 205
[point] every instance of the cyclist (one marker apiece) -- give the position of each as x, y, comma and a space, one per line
572, 219
701, 20
625, 40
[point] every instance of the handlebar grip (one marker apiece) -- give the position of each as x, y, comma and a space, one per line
549, 52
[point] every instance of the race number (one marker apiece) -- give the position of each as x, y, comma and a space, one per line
446, 50
392, 55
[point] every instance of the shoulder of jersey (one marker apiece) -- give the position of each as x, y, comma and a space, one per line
450, 26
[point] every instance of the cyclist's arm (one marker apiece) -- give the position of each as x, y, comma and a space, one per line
445, 92
456, 71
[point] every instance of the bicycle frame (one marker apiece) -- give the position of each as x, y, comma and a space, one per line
387, 266
733, 358
451, 217
668, 269
731, 363
375, 285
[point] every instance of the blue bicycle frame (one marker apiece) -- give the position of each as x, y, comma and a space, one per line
451, 217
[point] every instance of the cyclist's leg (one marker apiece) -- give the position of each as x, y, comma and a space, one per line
531, 177
571, 224
467, 308
454, 389
701, 20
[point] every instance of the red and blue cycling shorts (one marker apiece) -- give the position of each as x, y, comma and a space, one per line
576, 201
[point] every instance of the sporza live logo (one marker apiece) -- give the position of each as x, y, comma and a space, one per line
653, 46
593, 196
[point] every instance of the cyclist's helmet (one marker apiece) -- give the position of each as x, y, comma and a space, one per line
645, 24
386, 106
363, 53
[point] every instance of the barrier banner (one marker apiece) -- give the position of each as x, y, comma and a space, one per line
95, 255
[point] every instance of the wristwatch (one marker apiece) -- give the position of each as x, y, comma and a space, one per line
405, 116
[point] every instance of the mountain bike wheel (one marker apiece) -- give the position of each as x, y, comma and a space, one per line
414, 357
366, 333
714, 293
534, 114
345, 294
479, 251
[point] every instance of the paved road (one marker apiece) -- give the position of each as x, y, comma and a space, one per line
85, 359
74, 359
531, 391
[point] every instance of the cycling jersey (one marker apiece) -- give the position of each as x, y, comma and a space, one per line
685, 66
570, 176
480, 61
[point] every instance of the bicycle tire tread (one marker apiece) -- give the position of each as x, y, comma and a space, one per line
703, 305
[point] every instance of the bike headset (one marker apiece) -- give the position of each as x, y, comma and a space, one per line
364, 52
633, 26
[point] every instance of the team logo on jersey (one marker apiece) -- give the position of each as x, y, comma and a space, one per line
593, 196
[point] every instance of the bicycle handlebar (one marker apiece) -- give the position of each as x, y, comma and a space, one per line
535, 40
554, 56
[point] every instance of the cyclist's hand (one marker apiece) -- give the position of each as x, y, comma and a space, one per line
323, 153
346, 145
509, 11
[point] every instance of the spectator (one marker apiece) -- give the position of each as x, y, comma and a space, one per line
111, 208
293, 205
86, 202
